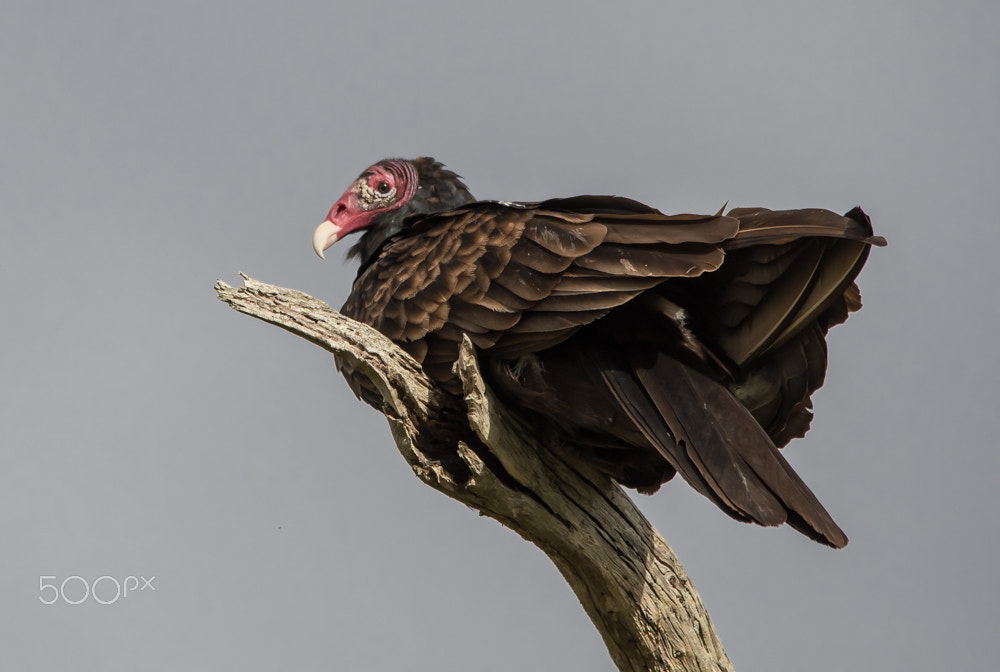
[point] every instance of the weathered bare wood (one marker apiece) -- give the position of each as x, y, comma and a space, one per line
628, 580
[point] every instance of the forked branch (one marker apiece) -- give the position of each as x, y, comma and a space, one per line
477, 451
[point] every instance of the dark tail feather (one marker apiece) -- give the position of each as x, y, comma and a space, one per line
717, 446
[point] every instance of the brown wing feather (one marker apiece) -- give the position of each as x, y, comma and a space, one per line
498, 272
778, 388
783, 270
759, 226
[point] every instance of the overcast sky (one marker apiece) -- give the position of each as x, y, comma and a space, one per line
147, 430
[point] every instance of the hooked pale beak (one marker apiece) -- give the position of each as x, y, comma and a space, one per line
325, 235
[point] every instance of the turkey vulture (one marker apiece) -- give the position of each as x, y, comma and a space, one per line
652, 344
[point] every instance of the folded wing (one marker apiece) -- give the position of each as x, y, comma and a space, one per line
657, 344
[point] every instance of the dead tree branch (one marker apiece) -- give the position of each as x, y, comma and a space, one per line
628, 580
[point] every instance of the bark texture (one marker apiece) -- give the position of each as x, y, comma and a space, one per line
475, 450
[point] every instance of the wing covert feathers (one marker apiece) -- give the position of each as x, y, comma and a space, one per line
524, 278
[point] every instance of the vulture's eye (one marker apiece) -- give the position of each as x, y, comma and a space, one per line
384, 187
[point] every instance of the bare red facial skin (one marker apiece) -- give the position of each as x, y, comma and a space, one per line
346, 216
372, 194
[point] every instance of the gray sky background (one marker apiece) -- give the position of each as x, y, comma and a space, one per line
147, 429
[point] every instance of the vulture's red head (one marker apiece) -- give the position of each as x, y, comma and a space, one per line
381, 199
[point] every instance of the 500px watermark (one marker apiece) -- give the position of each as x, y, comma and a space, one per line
103, 590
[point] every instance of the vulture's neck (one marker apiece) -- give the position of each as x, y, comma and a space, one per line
385, 227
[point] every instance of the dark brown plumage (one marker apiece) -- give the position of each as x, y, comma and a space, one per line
652, 344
